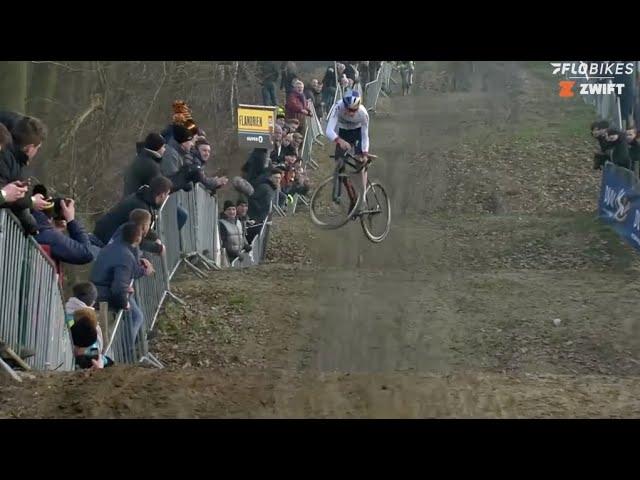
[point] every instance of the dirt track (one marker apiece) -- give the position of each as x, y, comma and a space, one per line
493, 237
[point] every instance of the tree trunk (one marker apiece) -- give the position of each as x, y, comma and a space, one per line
42, 90
13, 86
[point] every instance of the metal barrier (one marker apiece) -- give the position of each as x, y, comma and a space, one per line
12, 247
207, 224
121, 346
151, 291
31, 313
187, 200
42, 317
372, 92
168, 231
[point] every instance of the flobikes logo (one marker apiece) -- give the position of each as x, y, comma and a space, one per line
591, 78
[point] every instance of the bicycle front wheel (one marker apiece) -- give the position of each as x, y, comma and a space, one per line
375, 216
325, 212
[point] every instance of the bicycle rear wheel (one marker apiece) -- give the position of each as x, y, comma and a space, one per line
326, 213
375, 216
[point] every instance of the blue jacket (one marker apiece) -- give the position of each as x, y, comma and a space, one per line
112, 273
117, 237
73, 249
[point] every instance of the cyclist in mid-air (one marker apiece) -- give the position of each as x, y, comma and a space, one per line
351, 120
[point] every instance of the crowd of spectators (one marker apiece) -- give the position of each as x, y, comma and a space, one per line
620, 143
163, 163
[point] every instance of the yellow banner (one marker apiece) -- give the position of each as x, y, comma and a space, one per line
255, 120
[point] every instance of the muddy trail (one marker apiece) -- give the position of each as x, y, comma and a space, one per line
493, 237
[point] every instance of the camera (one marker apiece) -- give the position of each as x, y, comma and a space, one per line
84, 361
54, 210
57, 207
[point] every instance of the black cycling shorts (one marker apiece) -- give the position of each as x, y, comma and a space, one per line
354, 137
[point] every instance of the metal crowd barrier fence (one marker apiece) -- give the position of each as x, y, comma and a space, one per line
31, 313
151, 291
123, 348
372, 92
12, 246
42, 317
168, 232
187, 200
207, 224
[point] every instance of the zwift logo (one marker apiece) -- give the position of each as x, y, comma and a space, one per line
596, 77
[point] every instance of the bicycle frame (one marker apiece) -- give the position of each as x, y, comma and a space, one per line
357, 168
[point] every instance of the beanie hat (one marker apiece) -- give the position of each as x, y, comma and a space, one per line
181, 134
154, 142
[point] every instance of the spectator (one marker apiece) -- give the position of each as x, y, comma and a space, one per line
113, 274
176, 156
16, 190
260, 201
75, 248
177, 152
12, 192
329, 88
242, 207
294, 181
87, 340
148, 197
287, 148
345, 83
292, 125
84, 297
351, 72
150, 241
627, 98
617, 142
599, 132
268, 77
374, 67
296, 143
314, 94
146, 165
201, 156
27, 135
633, 139
280, 117
296, 106
256, 165
232, 233
276, 153
365, 77
289, 74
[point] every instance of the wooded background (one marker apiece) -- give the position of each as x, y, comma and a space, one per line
95, 111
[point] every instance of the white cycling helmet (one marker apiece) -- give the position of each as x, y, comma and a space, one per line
351, 100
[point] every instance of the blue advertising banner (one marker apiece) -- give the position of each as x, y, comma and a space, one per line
619, 203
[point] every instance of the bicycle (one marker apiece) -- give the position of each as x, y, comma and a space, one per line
327, 207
